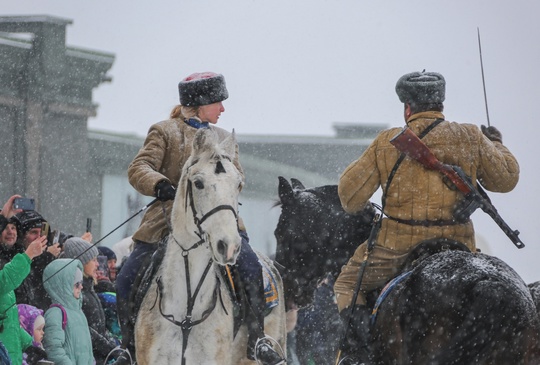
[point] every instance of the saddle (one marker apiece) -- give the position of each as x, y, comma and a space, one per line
235, 288
420, 252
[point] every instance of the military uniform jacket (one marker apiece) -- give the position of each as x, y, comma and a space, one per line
165, 151
417, 193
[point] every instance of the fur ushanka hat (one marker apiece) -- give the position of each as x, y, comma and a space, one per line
421, 88
202, 88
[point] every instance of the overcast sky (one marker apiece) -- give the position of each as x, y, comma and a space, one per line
297, 66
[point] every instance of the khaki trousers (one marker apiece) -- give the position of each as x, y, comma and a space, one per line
383, 265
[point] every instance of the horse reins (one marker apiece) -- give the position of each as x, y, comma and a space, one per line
187, 324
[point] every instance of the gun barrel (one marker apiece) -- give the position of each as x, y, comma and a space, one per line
492, 212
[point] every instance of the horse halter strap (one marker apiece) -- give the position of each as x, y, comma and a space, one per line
187, 324
199, 221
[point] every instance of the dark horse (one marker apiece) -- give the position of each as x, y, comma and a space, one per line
314, 237
453, 308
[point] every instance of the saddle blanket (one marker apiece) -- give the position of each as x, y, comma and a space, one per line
384, 293
270, 287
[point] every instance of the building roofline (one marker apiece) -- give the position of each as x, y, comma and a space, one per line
10, 19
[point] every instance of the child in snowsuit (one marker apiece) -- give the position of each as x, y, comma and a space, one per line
33, 322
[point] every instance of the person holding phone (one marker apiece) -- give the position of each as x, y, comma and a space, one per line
12, 274
32, 225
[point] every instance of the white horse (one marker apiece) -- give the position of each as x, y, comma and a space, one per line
187, 315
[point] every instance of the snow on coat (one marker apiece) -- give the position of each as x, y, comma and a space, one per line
421, 194
165, 151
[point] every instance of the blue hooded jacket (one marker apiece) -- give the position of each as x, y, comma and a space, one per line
72, 345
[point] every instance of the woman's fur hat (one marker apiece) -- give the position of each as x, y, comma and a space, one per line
202, 88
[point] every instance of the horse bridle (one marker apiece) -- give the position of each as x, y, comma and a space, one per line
198, 222
187, 324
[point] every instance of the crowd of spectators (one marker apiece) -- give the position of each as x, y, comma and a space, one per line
57, 294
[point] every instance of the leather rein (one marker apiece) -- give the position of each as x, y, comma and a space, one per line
188, 323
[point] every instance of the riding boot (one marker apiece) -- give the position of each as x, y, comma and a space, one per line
259, 346
126, 326
357, 344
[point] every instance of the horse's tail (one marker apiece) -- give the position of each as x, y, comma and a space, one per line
497, 328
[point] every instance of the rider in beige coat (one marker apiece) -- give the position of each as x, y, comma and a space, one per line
419, 205
156, 170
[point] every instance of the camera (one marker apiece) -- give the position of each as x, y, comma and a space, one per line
24, 204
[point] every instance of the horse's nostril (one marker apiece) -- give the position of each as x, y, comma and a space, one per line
221, 248
237, 249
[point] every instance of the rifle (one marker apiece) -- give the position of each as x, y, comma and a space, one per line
408, 143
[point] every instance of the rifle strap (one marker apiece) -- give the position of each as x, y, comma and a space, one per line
428, 129
377, 224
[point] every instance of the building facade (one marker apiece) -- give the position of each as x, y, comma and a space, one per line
73, 173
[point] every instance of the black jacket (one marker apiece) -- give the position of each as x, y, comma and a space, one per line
32, 291
102, 341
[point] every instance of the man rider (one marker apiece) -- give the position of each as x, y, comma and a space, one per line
419, 204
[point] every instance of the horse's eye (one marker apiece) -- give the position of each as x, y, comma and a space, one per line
198, 184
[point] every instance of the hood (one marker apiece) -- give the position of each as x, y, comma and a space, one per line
58, 280
27, 317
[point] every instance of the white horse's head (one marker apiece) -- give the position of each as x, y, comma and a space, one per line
207, 198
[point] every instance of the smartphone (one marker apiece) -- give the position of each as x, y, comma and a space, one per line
56, 237
45, 229
24, 204
88, 224
53, 237
103, 266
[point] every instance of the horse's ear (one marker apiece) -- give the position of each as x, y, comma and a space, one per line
285, 190
204, 140
296, 184
229, 144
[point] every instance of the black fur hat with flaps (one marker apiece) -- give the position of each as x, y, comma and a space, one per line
421, 88
202, 88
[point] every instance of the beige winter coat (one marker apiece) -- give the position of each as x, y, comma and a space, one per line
418, 193
165, 151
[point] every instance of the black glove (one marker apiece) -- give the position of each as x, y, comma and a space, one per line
164, 191
35, 354
492, 133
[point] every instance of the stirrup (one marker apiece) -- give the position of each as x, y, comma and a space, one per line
268, 341
124, 351
350, 360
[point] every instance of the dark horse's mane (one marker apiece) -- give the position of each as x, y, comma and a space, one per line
454, 307
315, 236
